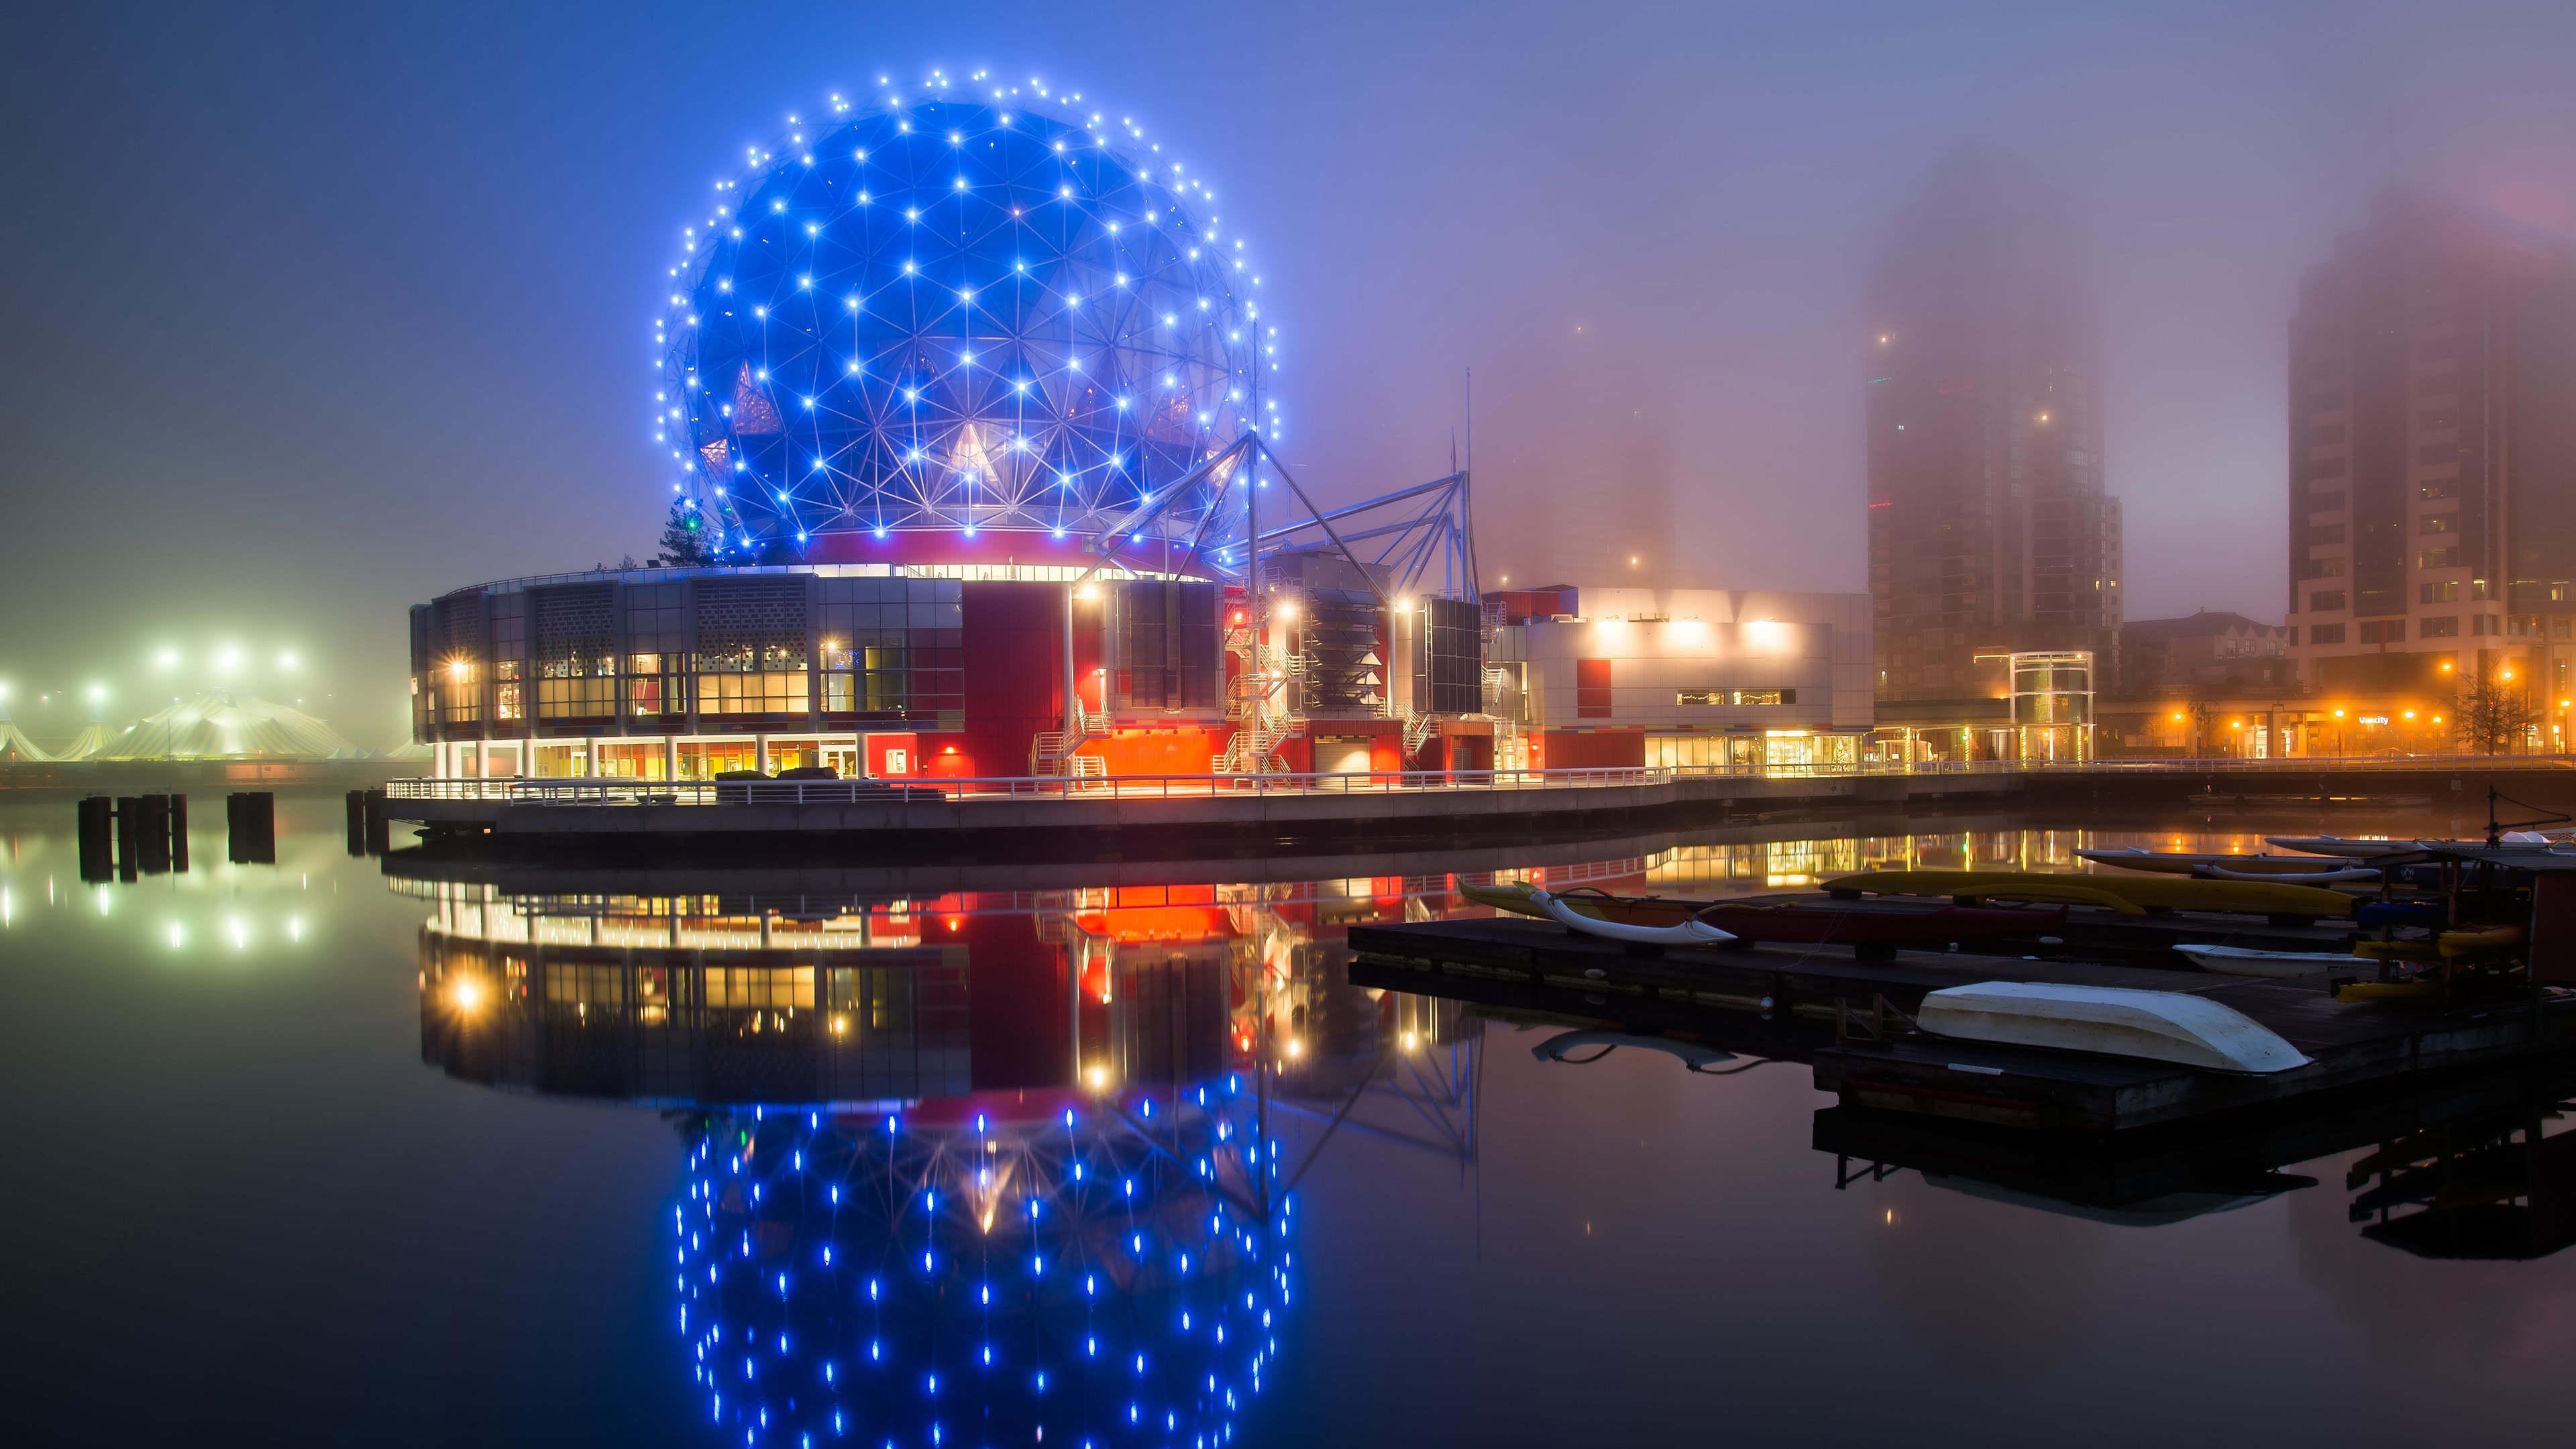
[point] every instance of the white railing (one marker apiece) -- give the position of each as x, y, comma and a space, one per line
1010, 787
1021, 787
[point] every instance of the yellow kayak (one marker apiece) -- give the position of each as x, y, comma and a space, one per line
2422, 988
2449, 946
2480, 940
2131, 895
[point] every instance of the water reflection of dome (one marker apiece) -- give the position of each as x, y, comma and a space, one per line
1104, 1270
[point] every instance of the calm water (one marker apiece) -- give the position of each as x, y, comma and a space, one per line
315, 1154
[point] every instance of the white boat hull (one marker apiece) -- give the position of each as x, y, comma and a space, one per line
2162, 1026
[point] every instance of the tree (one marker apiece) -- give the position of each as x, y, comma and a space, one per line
684, 537
2493, 714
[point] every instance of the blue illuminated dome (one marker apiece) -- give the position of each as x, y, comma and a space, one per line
940, 313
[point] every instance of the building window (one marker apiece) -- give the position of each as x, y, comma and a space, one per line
1591, 689
2438, 488
2325, 533
1736, 696
2324, 634
2384, 631
2445, 592
2486, 624
893, 648
2321, 568
2326, 601
2446, 627
2438, 558
2438, 523
2326, 500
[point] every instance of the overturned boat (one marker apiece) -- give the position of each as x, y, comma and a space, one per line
2163, 1026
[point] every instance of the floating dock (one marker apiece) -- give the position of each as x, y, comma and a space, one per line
1847, 1019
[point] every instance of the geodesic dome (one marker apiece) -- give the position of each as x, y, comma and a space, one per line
944, 311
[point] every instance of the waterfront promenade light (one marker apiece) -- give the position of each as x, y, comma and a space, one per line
957, 306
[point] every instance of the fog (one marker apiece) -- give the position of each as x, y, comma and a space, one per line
315, 311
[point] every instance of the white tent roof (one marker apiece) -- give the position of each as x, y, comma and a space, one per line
226, 725
91, 739
15, 747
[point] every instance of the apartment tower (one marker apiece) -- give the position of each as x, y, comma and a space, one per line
2433, 458
1989, 529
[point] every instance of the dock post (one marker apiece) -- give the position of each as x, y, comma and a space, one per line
357, 821
97, 839
252, 816
179, 833
153, 832
379, 825
129, 836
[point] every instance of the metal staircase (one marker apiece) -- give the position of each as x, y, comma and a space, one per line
1055, 752
1418, 729
1254, 702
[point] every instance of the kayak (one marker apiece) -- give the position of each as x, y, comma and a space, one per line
2246, 961
1805, 925
1680, 933
2480, 940
2421, 988
2449, 945
2132, 895
2338, 845
2191, 862
2348, 877
2163, 1026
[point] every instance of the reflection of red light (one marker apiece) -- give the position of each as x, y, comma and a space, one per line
947, 749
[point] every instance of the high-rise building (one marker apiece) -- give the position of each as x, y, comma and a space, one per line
2432, 462
1989, 530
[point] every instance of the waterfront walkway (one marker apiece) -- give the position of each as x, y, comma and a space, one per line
1416, 804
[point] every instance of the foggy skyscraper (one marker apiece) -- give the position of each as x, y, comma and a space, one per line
1989, 528
2433, 451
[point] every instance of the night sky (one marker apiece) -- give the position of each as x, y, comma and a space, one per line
314, 312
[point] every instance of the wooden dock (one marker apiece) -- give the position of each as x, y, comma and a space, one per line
1847, 1018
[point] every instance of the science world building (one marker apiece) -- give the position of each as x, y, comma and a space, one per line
968, 403
967, 391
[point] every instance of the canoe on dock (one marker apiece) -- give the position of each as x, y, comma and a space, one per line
2128, 894
2339, 845
2247, 961
2350, 876
2156, 1026
1685, 932
2189, 862
1820, 924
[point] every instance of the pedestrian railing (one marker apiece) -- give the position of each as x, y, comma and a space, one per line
1377, 782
